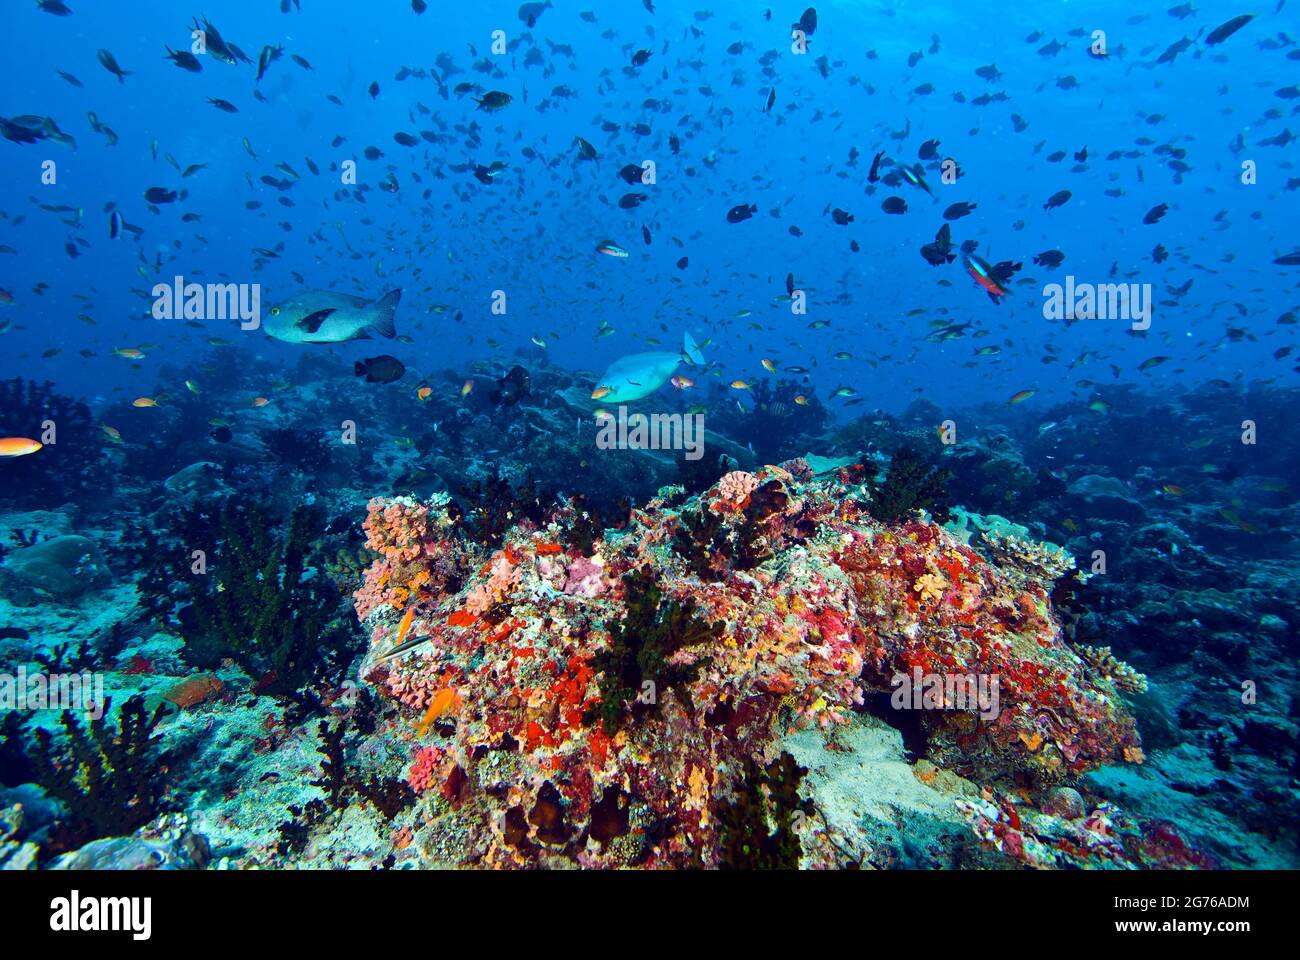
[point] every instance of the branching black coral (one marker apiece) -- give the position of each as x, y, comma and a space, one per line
257, 604
757, 828
111, 781
910, 484
635, 669
492, 508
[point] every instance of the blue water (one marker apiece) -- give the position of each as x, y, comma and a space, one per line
532, 233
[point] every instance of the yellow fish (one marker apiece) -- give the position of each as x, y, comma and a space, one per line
404, 626
18, 446
442, 701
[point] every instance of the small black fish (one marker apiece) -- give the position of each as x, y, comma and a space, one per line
1058, 199
807, 23
894, 205
493, 100
842, 217
929, 150
381, 369
529, 12
183, 59
512, 388
641, 58
630, 201
110, 64
1156, 214
1051, 259
874, 175
223, 105
586, 151
940, 252
1225, 30
741, 213
373, 89
645, 234
958, 210
222, 435
267, 57
160, 195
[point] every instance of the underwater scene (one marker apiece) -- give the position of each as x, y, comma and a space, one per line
649, 435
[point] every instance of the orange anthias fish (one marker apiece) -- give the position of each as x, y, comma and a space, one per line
444, 700
260, 401
18, 446
404, 626
467, 388
144, 402
424, 393
129, 353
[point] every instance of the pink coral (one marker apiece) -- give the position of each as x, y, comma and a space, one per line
734, 489
415, 687
586, 577
503, 577
424, 768
397, 528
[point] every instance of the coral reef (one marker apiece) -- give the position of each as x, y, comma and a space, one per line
538, 741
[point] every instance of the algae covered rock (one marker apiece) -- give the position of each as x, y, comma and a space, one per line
61, 569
